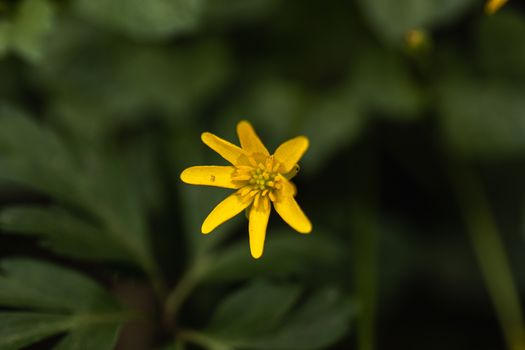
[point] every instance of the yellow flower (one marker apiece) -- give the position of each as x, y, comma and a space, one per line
416, 38
259, 178
493, 5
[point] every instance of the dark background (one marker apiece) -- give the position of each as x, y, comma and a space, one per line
415, 167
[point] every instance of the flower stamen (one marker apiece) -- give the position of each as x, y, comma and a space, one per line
261, 180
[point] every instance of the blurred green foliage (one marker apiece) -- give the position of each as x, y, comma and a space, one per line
101, 106
55, 300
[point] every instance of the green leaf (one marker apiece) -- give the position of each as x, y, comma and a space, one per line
152, 19
115, 200
26, 31
280, 109
33, 156
393, 19
399, 97
272, 105
260, 316
57, 300
253, 310
63, 233
31, 25
286, 253
99, 336
500, 45
39, 285
235, 11
16, 123
483, 120
320, 322
5, 37
331, 123
137, 80
20, 329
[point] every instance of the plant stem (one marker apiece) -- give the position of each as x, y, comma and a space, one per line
365, 249
143, 256
492, 258
183, 289
152, 270
365, 253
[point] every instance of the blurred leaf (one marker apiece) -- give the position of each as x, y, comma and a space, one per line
116, 202
34, 156
253, 310
483, 120
233, 11
280, 109
98, 336
141, 157
383, 84
30, 28
198, 202
331, 123
139, 81
152, 19
5, 37
26, 284
285, 254
19, 329
26, 31
259, 317
271, 104
61, 300
320, 322
500, 45
63, 233
393, 19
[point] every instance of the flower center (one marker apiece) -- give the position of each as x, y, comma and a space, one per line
260, 179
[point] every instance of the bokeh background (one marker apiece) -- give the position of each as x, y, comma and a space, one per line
414, 180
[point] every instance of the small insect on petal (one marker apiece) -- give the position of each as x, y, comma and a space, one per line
219, 176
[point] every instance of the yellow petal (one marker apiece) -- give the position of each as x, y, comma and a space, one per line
250, 142
494, 5
259, 216
227, 150
219, 176
290, 211
289, 153
224, 211
288, 188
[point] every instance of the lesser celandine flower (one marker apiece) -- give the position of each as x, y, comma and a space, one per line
260, 180
493, 5
416, 38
